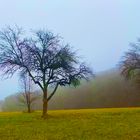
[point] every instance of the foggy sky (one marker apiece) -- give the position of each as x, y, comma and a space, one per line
100, 29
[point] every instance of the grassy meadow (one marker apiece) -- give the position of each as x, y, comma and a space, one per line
86, 124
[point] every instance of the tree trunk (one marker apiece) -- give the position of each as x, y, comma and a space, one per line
29, 102
29, 108
45, 105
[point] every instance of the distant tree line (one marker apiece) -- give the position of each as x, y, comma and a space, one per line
108, 89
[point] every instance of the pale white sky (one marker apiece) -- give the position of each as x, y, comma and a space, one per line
100, 29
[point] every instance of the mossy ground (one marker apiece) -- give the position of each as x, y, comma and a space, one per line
86, 124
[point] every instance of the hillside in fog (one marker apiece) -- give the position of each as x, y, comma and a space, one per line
108, 89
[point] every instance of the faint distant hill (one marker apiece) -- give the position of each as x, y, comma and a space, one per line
108, 89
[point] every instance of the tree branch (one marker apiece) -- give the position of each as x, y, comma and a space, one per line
51, 95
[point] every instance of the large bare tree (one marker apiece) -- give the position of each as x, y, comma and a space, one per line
130, 64
44, 57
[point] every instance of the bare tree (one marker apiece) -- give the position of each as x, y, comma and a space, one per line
130, 64
44, 57
27, 96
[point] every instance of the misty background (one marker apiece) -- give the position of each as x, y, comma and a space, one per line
107, 90
101, 32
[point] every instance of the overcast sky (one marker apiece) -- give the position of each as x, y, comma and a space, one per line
100, 29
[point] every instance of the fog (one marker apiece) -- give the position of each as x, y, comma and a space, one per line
100, 30
108, 89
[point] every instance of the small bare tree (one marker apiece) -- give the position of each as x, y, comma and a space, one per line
130, 64
27, 96
44, 58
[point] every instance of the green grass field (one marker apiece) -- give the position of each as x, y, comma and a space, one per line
87, 124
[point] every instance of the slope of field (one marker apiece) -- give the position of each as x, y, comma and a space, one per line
87, 124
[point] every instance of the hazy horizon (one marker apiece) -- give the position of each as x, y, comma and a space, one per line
100, 30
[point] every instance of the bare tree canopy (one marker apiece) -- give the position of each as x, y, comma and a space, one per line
44, 57
130, 65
